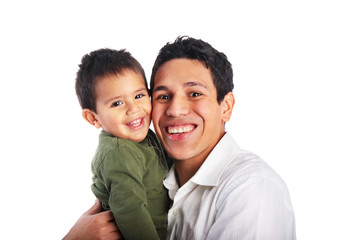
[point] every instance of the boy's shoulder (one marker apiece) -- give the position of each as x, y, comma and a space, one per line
110, 147
108, 142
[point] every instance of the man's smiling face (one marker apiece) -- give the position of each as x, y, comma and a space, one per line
186, 115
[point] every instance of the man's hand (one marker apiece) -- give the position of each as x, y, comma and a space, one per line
94, 225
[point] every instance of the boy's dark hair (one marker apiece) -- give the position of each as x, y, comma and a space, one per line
190, 48
100, 63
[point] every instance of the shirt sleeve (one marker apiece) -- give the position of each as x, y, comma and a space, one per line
122, 173
259, 209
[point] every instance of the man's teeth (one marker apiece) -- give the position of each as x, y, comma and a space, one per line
135, 123
179, 130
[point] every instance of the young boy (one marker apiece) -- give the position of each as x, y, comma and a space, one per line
129, 164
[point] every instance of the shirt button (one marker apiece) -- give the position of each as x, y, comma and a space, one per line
176, 212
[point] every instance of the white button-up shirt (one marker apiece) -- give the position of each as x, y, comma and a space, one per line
234, 195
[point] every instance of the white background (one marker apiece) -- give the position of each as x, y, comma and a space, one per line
296, 72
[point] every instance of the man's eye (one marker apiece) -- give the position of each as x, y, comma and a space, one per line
163, 97
195, 94
116, 104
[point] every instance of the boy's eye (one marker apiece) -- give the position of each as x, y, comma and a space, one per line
139, 96
116, 104
195, 94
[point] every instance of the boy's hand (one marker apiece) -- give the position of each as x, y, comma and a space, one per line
94, 225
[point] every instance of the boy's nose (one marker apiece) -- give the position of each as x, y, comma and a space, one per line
133, 108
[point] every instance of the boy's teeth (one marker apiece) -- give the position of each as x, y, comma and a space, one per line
180, 129
135, 123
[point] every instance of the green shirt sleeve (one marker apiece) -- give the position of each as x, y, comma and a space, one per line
122, 172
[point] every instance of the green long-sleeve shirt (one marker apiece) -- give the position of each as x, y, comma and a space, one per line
127, 178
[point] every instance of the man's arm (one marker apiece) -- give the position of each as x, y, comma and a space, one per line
94, 225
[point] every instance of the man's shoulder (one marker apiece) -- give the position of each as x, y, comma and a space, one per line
245, 167
248, 164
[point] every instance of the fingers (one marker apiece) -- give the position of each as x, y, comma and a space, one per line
106, 226
106, 216
115, 235
96, 208
97, 213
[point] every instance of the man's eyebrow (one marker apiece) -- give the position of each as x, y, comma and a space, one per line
192, 84
187, 84
160, 88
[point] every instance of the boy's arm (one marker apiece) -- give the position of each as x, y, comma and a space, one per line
94, 224
123, 175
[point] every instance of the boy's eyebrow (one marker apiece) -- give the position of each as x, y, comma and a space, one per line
116, 97
112, 99
141, 89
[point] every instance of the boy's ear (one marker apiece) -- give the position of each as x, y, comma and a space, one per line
91, 117
227, 106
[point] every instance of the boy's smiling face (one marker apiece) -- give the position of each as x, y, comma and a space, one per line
123, 106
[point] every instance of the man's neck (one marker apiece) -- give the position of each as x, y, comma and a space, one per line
186, 169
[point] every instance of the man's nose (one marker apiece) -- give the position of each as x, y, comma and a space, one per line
178, 107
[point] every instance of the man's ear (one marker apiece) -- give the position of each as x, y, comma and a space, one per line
91, 117
227, 105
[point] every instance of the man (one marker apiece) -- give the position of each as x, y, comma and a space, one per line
218, 190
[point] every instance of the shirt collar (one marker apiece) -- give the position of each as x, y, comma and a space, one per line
170, 182
210, 171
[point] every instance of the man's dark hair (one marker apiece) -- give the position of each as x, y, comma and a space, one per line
98, 64
196, 49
